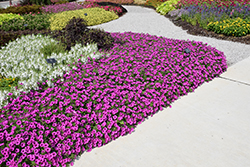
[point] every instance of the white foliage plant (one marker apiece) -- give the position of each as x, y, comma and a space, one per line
22, 58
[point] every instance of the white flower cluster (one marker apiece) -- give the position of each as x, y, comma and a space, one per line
22, 58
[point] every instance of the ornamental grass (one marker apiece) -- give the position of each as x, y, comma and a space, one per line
101, 100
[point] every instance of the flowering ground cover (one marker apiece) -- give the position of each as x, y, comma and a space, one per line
61, 7
79, 5
97, 99
101, 100
124, 2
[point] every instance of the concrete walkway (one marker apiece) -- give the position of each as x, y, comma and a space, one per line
5, 4
207, 128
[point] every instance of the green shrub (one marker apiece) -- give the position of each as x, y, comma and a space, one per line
24, 2
29, 21
93, 16
231, 27
22, 9
62, 2
9, 16
41, 2
166, 7
153, 3
8, 36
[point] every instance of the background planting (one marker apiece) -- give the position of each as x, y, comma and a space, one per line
93, 16
167, 6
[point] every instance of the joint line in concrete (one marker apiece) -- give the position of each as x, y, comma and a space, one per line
235, 81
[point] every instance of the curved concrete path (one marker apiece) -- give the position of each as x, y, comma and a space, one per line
5, 4
207, 128
145, 20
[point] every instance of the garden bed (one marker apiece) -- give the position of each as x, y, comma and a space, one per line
105, 98
102, 86
197, 30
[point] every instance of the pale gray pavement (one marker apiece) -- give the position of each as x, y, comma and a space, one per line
5, 4
207, 128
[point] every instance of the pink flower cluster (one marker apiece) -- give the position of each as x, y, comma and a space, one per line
103, 99
60, 7
75, 6
115, 9
113, 1
94, 0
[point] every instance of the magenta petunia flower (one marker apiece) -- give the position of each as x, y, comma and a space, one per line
101, 100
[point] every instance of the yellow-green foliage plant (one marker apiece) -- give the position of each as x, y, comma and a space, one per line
93, 16
9, 16
167, 6
231, 27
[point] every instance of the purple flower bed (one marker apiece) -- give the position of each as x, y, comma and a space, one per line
103, 99
178, 12
242, 11
75, 6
